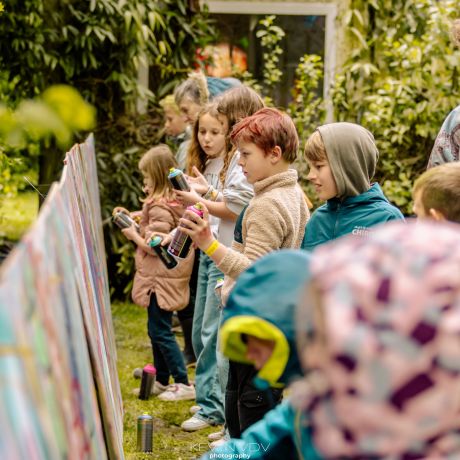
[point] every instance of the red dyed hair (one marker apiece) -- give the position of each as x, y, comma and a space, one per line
268, 128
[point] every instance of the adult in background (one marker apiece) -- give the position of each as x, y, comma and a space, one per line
447, 144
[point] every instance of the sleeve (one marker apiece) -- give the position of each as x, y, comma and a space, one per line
266, 230
161, 219
447, 144
237, 192
263, 440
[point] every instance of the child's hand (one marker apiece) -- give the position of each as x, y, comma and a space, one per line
187, 198
130, 232
197, 227
198, 183
119, 209
166, 238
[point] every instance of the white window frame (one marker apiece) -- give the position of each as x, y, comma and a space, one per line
329, 10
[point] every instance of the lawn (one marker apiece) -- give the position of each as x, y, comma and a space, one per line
133, 348
17, 214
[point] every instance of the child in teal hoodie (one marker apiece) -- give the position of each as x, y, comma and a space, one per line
259, 329
342, 158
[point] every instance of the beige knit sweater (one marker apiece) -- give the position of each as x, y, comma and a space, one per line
275, 219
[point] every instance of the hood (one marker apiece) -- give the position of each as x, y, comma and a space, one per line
352, 156
217, 86
263, 304
388, 327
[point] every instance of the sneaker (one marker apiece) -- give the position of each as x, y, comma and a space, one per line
218, 443
178, 392
194, 409
137, 373
217, 435
194, 424
157, 388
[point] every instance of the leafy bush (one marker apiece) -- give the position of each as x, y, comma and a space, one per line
400, 82
97, 47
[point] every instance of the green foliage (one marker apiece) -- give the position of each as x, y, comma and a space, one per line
307, 109
57, 114
270, 37
16, 215
98, 47
400, 82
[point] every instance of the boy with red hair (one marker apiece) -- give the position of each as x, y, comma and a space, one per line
274, 219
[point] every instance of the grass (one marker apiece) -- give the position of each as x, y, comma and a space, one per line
17, 214
134, 350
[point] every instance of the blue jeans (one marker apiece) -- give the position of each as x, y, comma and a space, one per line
209, 395
167, 356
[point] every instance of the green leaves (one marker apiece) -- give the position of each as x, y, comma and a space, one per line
400, 81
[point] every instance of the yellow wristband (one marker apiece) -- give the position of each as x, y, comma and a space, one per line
212, 248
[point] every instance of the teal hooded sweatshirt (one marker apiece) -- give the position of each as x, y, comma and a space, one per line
263, 303
359, 205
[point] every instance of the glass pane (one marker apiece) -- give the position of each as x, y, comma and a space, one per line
304, 35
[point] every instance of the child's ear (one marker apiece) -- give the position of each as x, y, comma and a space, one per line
436, 215
276, 154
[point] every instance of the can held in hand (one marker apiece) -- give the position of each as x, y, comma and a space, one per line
180, 244
147, 381
144, 433
178, 180
162, 252
122, 220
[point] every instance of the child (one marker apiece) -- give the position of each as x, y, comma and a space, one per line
175, 127
155, 287
383, 344
342, 158
192, 94
259, 328
380, 359
206, 154
275, 219
235, 194
436, 193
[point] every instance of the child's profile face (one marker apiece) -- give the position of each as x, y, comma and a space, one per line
258, 350
211, 136
189, 110
174, 123
148, 185
320, 175
255, 163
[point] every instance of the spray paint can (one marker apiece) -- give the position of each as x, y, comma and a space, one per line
122, 220
144, 433
147, 381
178, 180
162, 252
180, 244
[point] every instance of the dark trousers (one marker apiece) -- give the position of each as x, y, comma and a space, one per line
186, 315
244, 403
167, 356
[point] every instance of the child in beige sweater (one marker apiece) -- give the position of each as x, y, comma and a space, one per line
274, 219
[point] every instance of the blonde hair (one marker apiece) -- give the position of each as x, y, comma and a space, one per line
196, 156
169, 102
235, 104
439, 189
155, 164
314, 148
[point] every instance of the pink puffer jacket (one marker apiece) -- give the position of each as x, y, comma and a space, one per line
170, 286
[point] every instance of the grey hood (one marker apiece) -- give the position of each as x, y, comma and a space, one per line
352, 156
